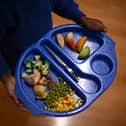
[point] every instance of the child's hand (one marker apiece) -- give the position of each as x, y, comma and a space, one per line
9, 82
93, 24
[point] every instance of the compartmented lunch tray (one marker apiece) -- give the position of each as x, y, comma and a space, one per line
95, 73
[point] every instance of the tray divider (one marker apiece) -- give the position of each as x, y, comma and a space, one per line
62, 72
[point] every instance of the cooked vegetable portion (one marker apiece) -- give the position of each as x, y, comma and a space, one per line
24, 75
40, 91
61, 98
57, 96
36, 74
28, 71
27, 63
37, 57
66, 103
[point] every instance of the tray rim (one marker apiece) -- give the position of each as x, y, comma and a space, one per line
36, 45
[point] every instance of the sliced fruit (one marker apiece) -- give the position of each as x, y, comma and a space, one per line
80, 43
69, 39
60, 39
85, 52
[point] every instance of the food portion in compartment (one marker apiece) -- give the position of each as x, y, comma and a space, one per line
84, 53
36, 74
80, 43
61, 97
69, 39
40, 91
60, 39
78, 46
57, 96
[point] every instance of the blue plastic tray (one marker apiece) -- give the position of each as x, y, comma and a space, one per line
96, 72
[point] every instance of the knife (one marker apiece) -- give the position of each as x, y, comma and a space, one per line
64, 65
